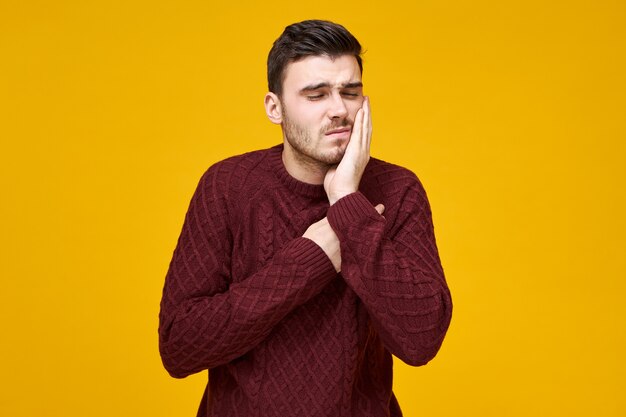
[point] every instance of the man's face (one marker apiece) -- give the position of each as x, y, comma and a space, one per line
320, 99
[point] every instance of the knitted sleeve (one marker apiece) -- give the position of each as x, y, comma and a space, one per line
396, 271
205, 320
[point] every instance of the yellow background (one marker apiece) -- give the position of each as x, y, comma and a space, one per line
511, 112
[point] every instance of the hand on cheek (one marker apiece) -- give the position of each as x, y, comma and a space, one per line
344, 179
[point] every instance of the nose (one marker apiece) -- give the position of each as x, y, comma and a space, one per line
337, 109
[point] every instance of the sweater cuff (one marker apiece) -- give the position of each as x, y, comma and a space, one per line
311, 257
350, 210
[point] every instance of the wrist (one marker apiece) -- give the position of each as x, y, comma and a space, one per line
354, 209
332, 199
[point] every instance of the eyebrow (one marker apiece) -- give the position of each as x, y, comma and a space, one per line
313, 87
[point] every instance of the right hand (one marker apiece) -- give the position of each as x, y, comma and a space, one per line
344, 178
325, 237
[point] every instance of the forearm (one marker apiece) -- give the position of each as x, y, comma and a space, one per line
209, 330
399, 280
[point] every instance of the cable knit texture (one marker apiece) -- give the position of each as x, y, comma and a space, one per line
262, 308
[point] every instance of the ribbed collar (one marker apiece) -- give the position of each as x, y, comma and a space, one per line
297, 186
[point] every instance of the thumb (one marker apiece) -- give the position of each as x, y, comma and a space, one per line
380, 208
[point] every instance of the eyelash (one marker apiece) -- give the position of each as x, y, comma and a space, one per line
319, 96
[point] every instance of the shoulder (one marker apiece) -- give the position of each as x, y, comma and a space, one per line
239, 165
230, 174
377, 167
227, 185
402, 193
386, 180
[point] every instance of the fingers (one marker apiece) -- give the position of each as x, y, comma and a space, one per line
346, 176
367, 125
361, 128
357, 129
380, 208
359, 143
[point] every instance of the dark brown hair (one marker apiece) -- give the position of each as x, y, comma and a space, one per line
308, 38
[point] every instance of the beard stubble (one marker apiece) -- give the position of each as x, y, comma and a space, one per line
308, 152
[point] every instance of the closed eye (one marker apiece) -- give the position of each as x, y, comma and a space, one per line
314, 96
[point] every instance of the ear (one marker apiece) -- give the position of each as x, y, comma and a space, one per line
273, 108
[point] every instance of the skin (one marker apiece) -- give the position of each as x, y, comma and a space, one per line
327, 127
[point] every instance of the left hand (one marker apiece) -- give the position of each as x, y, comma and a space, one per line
344, 179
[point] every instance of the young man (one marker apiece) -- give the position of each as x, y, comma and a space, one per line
302, 268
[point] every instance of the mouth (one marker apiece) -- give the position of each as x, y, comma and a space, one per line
339, 133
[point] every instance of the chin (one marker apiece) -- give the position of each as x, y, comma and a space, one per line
332, 157
328, 155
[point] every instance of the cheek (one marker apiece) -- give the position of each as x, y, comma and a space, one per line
306, 113
354, 107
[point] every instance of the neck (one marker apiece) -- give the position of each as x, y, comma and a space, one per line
302, 167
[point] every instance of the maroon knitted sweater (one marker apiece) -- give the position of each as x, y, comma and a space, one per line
262, 308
